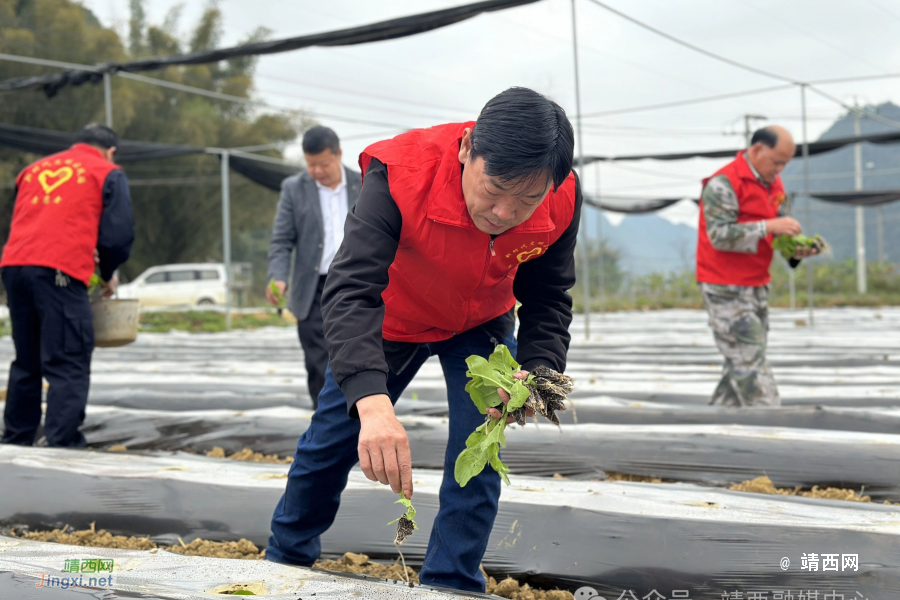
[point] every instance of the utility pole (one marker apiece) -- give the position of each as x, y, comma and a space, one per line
860, 217
226, 235
809, 272
748, 132
585, 269
107, 98
879, 215
602, 277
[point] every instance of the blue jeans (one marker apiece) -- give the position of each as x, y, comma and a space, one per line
327, 452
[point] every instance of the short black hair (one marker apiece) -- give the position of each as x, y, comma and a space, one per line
523, 135
320, 138
766, 136
99, 135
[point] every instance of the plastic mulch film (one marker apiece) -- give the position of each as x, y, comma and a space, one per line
43, 570
708, 454
609, 536
617, 411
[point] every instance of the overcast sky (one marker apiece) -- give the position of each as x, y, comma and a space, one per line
448, 74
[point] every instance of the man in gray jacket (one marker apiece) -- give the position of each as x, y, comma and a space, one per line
310, 222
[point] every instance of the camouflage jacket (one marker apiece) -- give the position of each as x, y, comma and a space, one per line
721, 209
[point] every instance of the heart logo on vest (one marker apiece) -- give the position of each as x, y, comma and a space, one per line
61, 176
523, 256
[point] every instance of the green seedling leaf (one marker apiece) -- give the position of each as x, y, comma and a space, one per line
279, 297
242, 593
498, 465
503, 361
410, 511
518, 395
94, 283
470, 463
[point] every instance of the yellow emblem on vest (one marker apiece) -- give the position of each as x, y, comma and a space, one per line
61, 176
523, 256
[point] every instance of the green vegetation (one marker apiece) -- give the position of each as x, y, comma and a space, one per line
207, 321
788, 245
176, 201
834, 284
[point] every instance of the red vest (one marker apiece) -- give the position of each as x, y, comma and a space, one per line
57, 214
447, 276
756, 204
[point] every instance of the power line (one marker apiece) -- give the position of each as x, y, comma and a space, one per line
812, 35
690, 46
676, 103
740, 65
883, 9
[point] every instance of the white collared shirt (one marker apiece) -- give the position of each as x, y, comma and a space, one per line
334, 213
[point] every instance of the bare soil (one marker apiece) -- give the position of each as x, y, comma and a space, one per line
249, 455
764, 485
244, 549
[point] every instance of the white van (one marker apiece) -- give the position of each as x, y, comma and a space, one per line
178, 285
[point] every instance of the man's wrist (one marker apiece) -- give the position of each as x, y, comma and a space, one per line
362, 385
371, 405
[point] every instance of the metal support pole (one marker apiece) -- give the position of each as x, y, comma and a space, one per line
226, 236
860, 217
748, 134
792, 284
601, 260
809, 272
879, 215
107, 98
585, 267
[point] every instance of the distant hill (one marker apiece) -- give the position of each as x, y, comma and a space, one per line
649, 244
833, 171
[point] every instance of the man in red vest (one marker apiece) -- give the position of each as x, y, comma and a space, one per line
741, 210
70, 208
453, 225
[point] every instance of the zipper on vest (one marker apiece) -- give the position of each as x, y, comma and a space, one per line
487, 265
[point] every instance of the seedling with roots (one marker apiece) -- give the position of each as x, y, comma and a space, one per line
406, 524
544, 391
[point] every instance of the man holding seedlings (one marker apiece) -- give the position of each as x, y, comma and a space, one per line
741, 210
454, 224
72, 214
310, 223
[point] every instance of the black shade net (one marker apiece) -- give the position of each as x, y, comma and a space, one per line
373, 32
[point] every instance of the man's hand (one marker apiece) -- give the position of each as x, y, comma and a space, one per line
783, 226
495, 414
805, 252
383, 445
109, 287
281, 285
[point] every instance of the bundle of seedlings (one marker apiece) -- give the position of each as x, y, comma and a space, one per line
544, 391
789, 244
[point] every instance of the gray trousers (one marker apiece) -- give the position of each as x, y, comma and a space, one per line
739, 317
312, 340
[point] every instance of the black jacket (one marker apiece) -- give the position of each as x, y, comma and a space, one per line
354, 311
